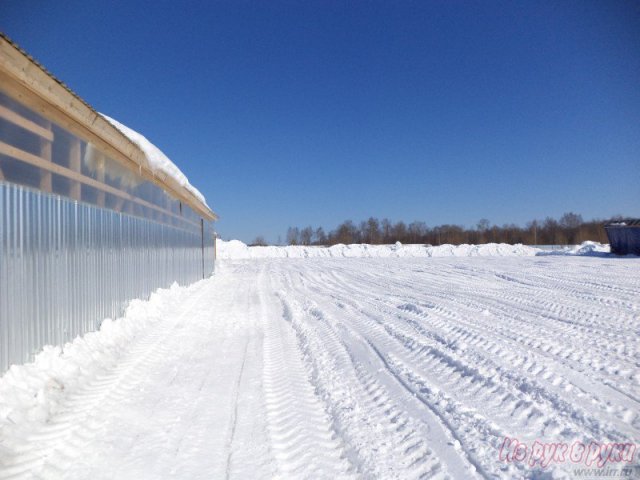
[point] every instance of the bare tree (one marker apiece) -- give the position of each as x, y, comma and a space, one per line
259, 241
570, 228
370, 231
550, 230
571, 220
320, 236
385, 230
416, 232
570, 223
399, 232
532, 227
483, 225
483, 228
346, 232
305, 235
293, 236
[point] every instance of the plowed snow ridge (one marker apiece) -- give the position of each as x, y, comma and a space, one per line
336, 368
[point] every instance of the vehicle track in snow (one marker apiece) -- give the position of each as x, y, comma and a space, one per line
492, 352
372, 416
302, 437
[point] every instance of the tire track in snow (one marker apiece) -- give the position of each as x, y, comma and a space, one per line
544, 359
535, 366
301, 434
536, 369
381, 436
234, 417
360, 345
360, 292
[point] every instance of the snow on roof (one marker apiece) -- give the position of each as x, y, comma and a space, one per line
627, 222
158, 161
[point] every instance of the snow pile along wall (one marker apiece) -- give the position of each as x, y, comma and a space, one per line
235, 249
31, 393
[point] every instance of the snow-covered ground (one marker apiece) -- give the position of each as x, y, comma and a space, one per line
345, 367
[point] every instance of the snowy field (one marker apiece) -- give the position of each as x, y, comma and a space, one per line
346, 367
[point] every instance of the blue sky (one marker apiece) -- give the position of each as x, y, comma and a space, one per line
297, 113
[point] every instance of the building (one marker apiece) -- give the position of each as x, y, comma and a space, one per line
88, 218
624, 236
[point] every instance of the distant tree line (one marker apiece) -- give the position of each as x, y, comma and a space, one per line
569, 229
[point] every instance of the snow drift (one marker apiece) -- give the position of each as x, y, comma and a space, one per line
31, 393
593, 249
235, 249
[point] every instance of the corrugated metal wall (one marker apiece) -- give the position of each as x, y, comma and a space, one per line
65, 266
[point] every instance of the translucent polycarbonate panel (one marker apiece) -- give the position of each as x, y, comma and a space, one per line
66, 265
29, 144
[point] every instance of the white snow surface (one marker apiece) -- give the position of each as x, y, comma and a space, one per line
158, 161
235, 249
326, 368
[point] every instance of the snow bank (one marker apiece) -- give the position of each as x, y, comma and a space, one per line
587, 248
30, 394
158, 161
235, 249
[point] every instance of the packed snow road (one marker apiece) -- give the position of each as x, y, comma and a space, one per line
364, 368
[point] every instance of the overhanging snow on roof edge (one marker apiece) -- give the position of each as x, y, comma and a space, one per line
156, 159
24, 77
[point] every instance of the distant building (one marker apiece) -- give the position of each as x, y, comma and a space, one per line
624, 236
87, 220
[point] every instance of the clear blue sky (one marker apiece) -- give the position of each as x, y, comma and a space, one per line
297, 113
